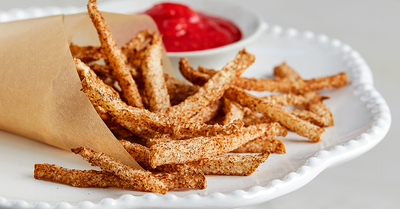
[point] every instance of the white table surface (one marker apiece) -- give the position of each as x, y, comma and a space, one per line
372, 27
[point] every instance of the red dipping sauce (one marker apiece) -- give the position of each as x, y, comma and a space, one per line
186, 30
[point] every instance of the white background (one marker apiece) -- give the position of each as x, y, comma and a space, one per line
372, 27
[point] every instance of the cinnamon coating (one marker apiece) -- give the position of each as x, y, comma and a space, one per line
139, 179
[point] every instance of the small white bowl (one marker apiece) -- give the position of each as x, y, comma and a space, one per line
250, 24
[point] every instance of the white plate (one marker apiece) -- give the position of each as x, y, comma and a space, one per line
362, 119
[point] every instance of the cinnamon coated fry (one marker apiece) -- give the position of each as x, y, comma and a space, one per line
192, 75
80, 178
103, 179
183, 151
213, 89
333, 81
189, 179
234, 165
310, 117
139, 179
86, 53
233, 111
315, 100
207, 113
240, 165
237, 165
179, 90
113, 55
261, 145
286, 100
153, 76
253, 84
140, 121
101, 70
114, 127
134, 49
272, 85
284, 85
139, 152
253, 118
301, 127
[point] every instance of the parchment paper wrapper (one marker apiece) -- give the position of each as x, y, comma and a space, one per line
40, 95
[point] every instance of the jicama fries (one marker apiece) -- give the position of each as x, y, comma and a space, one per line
153, 76
139, 179
233, 111
113, 54
183, 151
86, 54
283, 116
79, 178
239, 165
262, 145
315, 100
190, 179
282, 85
213, 89
140, 121
186, 131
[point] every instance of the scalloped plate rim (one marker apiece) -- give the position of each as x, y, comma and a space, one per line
257, 194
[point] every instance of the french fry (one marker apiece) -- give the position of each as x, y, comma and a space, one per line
140, 121
189, 179
101, 70
253, 118
86, 53
284, 85
213, 89
310, 117
207, 113
234, 165
179, 90
153, 76
113, 54
80, 178
276, 113
139, 152
315, 100
261, 145
160, 138
117, 129
287, 100
192, 75
114, 127
271, 85
134, 49
233, 111
253, 84
103, 179
237, 165
300, 126
183, 151
284, 71
139, 179
333, 81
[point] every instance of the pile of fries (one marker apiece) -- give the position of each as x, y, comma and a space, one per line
185, 130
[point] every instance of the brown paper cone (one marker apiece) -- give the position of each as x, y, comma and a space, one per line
40, 89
